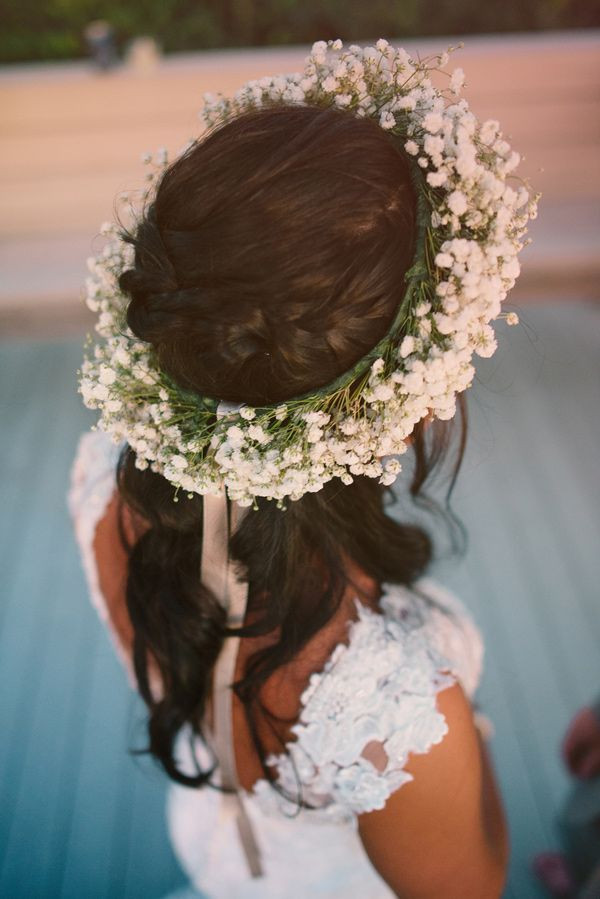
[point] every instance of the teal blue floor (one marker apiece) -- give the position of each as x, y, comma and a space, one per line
80, 818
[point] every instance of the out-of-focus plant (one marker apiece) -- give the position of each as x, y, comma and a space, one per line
54, 29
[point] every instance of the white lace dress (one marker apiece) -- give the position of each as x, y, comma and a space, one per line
378, 690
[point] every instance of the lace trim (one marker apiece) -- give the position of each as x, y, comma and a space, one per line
375, 696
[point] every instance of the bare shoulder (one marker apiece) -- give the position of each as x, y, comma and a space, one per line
111, 557
430, 838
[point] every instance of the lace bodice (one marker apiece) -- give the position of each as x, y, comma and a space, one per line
375, 698
371, 705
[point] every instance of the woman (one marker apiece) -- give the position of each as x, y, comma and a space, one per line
285, 264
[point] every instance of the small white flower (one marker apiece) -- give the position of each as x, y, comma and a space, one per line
444, 323
407, 102
318, 449
512, 318
247, 413
122, 357
411, 147
457, 202
100, 392
502, 147
387, 120
413, 382
434, 147
393, 466
444, 260
485, 342
235, 436
319, 52
433, 122
349, 426
436, 179
343, 100
319, 418
383, 392
307, 84
107, 375
257, 432
407, 346
457, 81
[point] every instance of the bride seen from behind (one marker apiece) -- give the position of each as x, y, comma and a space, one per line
271, 261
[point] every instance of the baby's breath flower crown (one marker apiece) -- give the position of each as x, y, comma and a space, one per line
471, 226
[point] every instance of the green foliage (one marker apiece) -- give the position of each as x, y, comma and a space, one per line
54, 29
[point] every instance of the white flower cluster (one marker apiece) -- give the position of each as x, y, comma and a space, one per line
475, 221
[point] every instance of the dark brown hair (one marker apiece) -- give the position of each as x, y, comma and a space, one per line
271, 259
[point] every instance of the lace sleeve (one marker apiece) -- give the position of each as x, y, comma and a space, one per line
92, 485
373, 704
446, 623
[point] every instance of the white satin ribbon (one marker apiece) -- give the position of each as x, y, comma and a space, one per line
219, 574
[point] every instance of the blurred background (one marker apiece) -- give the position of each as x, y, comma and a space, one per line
85, 89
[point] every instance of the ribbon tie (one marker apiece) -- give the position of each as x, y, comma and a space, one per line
219, 575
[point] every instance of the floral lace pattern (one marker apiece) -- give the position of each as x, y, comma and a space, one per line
377, 692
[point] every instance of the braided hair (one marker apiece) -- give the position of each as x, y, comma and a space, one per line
270, 260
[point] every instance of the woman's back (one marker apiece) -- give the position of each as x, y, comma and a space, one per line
356, 704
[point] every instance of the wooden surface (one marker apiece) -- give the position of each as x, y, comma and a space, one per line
71, 141
81, 818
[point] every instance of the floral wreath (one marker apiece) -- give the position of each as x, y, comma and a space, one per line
470, 229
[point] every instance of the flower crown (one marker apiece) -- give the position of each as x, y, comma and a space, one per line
470, 229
